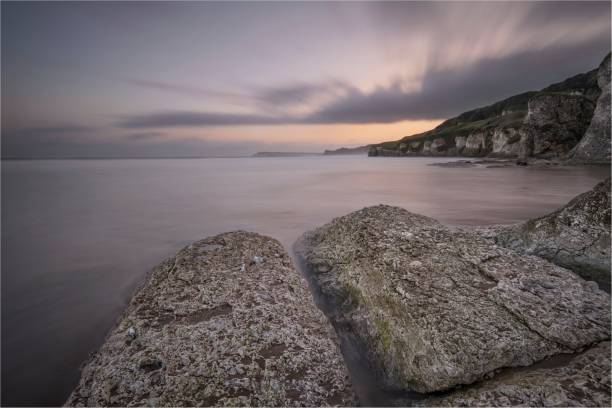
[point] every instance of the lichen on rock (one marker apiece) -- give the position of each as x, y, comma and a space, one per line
584, 381
577, 236
440, 307
227, 321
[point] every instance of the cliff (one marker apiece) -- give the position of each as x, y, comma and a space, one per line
567, 119
361, 150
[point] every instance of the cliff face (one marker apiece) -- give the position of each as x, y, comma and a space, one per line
567, 119
595, 145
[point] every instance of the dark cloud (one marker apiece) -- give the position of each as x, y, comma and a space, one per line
444, 93
143, 136
182, 119
59, 130
188, 90
563, 12
300, 93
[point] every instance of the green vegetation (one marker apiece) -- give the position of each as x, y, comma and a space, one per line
354, 294
509, 112
384, 332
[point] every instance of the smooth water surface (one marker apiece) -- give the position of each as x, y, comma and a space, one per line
78, 235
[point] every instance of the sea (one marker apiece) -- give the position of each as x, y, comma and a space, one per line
79, 235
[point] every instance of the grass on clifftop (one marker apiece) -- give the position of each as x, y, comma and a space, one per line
508, 113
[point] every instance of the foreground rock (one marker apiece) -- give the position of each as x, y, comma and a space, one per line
583, 381
577, 236
438, 307
227, 321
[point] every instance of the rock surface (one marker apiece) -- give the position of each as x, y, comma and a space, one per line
438, 307
595, 145
227, 321
557, 122
583, 381
577, 236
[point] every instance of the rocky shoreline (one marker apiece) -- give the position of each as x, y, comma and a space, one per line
437, 316
227, 321
568, 121
440, 307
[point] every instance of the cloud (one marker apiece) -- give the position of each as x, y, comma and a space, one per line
444, 93
65, 129
188, 90
279, 98
195, 119
301, 93
143, 136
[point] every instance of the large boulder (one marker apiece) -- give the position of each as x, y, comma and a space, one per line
595, 145
438, 307
557, 122
577, 236
584, 381
226, 321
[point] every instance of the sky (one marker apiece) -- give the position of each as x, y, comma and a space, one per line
167, 79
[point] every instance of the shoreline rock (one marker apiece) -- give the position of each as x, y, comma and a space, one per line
226, 321
583, 381
438, 308
576, 236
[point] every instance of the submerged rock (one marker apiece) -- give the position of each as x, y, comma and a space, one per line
438, 307
577, 236
201, 332
583, 381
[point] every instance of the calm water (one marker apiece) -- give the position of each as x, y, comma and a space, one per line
78, 235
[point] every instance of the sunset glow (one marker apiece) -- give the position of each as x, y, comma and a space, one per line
208, 78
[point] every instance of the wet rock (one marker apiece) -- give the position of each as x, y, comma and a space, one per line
455, 164
219, 336
468, 309
577, 236
584, 381
595, 145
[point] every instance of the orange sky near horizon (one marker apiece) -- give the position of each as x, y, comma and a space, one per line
326, 136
